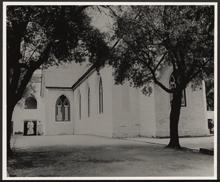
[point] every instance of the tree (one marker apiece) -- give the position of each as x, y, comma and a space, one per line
46, 35
152, 37
210, 94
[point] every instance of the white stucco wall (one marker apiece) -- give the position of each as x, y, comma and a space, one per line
125, 111
21, 114
96, 123
192, 117
53, 127
147, 114
210, 115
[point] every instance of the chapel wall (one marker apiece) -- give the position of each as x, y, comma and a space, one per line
192, 117
21, 114
126, 118
147, 114
53, 127
96, 123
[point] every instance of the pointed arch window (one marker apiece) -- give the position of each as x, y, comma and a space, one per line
172, 84
88, 101
30, 103
62, 109
100, 96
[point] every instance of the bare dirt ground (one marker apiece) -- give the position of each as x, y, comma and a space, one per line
90, 156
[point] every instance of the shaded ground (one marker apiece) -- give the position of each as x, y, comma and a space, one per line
194, 143
98, 156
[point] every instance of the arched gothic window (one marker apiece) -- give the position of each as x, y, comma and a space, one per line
100, 96
62, 109
80, 107
30, 103
88, 102
172, 84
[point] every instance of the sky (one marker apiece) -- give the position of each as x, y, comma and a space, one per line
104, 23
101, 20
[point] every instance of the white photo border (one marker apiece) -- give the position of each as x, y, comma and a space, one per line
4, 106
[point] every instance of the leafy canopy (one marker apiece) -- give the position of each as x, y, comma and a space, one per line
66, 29
48, 35
153, 37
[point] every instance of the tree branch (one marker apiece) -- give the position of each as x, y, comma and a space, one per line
151, 69
161, 59
197, 72
23, 65
148, 24
23, 85
33, 66
15, 79
43, 58
112, 11
156, 81
33, 52
173, 63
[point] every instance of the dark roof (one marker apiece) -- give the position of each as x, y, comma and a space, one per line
63, 77
83, 77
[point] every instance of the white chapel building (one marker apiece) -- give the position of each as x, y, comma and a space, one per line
78, 99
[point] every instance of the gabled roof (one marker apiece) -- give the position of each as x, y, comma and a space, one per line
64, 77
72, 78
83, 77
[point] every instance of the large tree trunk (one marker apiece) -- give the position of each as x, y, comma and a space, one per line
174, 119
10, 110
15, 93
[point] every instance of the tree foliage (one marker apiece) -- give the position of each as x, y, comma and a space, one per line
210, 94
154, 37
47, 35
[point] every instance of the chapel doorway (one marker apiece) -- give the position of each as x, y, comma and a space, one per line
30, 127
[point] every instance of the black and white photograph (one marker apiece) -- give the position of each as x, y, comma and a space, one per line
109, 90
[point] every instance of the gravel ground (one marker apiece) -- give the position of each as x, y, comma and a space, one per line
90, 156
